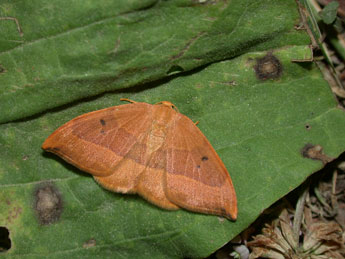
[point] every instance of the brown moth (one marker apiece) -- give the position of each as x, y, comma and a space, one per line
151, 150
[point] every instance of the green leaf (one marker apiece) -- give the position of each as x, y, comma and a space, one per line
76, 49
329, 12
259, 109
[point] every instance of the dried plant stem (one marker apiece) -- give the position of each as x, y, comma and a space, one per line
297, 221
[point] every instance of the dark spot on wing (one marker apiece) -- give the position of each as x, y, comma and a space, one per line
115, 137
182, 162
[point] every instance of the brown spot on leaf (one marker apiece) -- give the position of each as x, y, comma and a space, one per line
2, 70
268, 67
89, 243
315, 152
13, 214
48, 203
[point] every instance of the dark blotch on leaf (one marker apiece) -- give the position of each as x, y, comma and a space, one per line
315, 152
5, 241
48, 203
2, 70
102, 122
198, 166
90, 243
309, 150
204, 158
268, 67
307, 127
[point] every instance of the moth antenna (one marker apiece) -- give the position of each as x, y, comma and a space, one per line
127, 100
196, 123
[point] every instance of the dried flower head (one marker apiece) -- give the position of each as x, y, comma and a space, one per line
319, 239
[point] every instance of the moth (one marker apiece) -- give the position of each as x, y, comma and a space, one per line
150, 150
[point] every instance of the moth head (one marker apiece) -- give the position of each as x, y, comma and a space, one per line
168, 104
